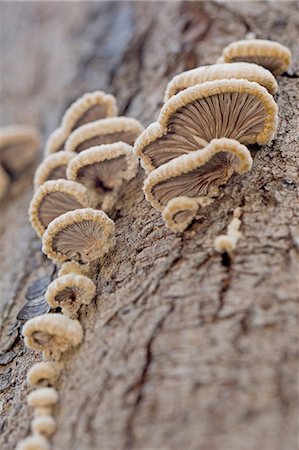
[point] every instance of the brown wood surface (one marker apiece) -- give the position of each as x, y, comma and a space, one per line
181, 351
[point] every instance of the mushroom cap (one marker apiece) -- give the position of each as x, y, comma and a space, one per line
70, 292
4, 182
103, 169
246, 71
43, 425
46, 396
105, 131
53, 167
197, 174
43, 372
18, 147
82, 235
55, 197
179, 213
73, 267
269, 54
52, 333
224, 243
90, 107
236, 109
35, 442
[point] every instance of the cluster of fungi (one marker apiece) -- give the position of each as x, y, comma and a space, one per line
87, 160
209, 117
199, 141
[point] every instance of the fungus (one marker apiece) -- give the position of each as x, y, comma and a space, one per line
42, 411
179, 213
199, 75
35, 442
53, 167
70, 292
55, 197
43, 425
73, 267
236, 109
52, 334
18, 147
46, 396
269, 54
103, 169
228, 242
82, 235
104, 131
88, 108
4, 182
198, 174
43, 373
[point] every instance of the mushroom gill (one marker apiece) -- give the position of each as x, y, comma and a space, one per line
236, 109
106, 131
238, 70
53, 167
82, 235
55, 197
269, 54
197, 174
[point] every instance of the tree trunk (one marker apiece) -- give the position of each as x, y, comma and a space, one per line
182, 349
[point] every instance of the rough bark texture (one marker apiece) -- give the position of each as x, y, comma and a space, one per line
181, 348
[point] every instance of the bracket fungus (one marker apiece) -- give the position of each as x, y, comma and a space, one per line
269, 54
103, 169
70, 292
4, 182
53, 167
52, 334
179, 213
237, 109
43, 373
18, 147
88, 108
73, 267
82, 235
55, 197
105, 131
199, 75
43, 397
35, 442
198, 174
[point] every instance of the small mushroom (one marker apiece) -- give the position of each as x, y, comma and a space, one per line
82, 235
43, 425
43, 373
70, 292
228, 242
55, 197
52, 334
52, 168
179, 213
18, 147
43, 397
42, 411
35, 442
4, 182
245, 71
269, 54
73, 267
105, 131
236, 109
198, 174
88, 108
103, 169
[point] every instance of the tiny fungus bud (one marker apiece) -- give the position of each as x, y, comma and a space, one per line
43, 425
35, 442
45, 372
105, 131
70, 292
52, 334
18, 147
53, 167
104, 169
55, 197
46, 396
238, 71
269, 54
73, 267
228, 242
82, 235
4, 182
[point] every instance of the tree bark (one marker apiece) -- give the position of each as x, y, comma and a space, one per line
182, 349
